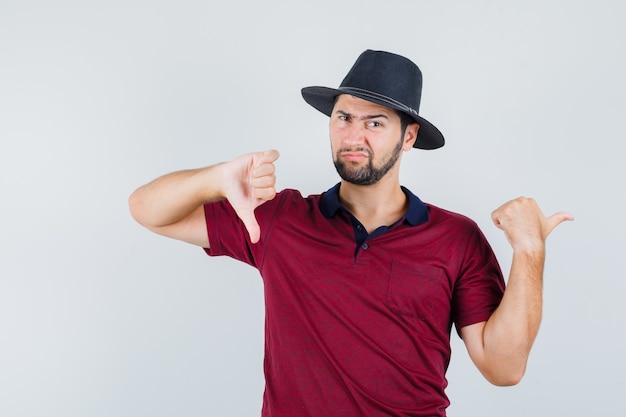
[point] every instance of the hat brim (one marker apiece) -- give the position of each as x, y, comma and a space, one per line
323, 99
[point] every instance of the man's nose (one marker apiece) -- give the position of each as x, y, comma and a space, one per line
355, 134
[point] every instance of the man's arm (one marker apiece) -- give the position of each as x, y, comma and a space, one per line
172, 205
500, 346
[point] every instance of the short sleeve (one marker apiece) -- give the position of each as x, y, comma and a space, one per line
480, 285
227, 234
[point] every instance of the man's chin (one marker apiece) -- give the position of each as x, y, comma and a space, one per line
355, 173
357, 179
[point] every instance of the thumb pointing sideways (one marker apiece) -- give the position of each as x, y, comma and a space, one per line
556, 219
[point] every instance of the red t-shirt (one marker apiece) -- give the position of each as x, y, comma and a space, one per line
367, 332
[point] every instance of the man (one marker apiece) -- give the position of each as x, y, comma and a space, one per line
363, 282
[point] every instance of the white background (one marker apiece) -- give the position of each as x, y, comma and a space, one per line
98, 317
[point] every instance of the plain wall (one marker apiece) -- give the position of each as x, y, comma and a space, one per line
99, 317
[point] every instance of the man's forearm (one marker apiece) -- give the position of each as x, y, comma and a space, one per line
172, 197
511, 331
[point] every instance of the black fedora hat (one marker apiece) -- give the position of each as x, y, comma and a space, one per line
383, 78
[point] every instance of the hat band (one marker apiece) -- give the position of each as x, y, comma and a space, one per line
379, 97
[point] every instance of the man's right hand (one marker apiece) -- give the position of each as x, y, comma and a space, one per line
172, 205
249, 181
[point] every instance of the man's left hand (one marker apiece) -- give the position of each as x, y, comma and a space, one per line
524, 224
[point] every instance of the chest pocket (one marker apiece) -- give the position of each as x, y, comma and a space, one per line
419, 291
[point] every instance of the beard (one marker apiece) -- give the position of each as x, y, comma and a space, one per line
368, 174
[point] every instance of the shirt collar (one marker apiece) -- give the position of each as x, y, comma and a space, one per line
416, 214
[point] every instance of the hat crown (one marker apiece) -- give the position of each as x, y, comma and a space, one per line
387, 74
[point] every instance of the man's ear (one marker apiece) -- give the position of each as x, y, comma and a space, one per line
410, 136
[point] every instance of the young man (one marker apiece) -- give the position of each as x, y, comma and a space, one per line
363, 282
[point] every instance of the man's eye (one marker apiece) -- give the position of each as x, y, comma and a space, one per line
375, 124
343, 118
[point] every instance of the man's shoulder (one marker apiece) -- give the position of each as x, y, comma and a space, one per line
442, 216
291, 194
291, 199
289, 207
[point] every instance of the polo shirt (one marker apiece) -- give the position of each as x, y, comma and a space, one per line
358, 324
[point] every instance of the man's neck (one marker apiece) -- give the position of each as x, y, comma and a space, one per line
380, 204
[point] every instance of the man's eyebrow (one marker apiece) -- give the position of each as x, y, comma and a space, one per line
368, 117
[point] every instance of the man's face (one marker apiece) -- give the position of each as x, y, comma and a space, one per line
366, 140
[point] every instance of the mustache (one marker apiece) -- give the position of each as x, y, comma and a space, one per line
355, 149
